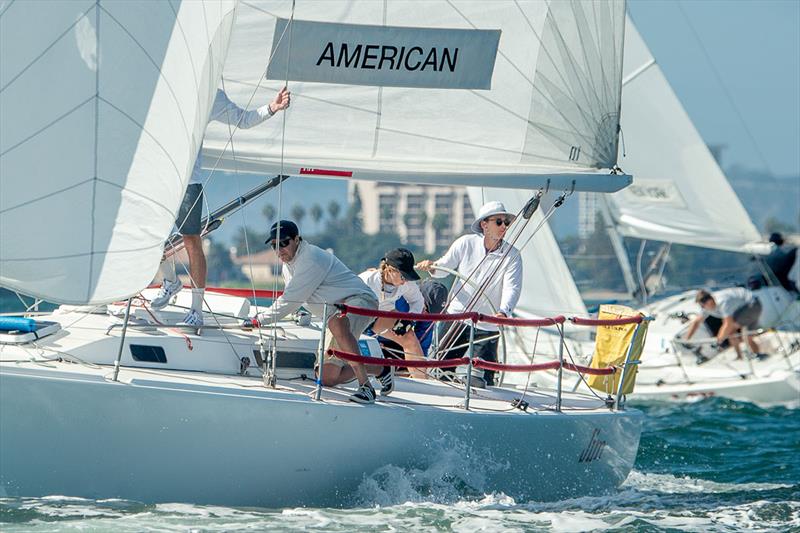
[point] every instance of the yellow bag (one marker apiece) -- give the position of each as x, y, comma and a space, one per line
611, 349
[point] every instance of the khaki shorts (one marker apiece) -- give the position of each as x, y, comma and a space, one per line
358, 324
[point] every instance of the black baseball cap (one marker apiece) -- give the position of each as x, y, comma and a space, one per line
288, 231
402, 260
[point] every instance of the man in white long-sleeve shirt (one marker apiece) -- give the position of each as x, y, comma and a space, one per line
480, 257
314, 277
191, 209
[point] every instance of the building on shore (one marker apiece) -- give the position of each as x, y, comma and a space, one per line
427, 217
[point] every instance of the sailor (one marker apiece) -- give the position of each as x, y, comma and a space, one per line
781, 260
394, 279
190, 212
489, 263
313, 277
738, 309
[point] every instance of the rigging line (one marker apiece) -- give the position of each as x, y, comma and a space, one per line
244, 221
3, 12
724, 88
230, 138
311, 98
550, 58
92, 282
456, 330
51, 45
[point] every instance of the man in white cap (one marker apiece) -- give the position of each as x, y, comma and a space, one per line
488, 262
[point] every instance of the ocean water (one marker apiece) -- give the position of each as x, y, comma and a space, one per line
712, 465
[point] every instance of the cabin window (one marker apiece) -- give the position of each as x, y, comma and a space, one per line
290, 359
148, 354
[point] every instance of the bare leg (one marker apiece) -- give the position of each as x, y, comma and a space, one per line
340, 329
409, 343
197, 260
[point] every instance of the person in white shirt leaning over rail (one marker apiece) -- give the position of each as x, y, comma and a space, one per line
739, 310
493, 266
314, 277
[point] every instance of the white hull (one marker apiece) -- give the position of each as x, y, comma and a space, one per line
161, 435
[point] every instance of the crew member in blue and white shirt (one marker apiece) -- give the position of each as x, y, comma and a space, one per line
478, 257
191, 209
739, 310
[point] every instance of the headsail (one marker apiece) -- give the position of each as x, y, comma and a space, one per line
551, 112
103, 109
680, 194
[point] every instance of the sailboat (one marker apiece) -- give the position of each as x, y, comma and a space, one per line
680, 196
106, 398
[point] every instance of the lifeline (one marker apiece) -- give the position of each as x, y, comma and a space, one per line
387, 57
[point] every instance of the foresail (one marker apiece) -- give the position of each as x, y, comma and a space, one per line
103, 110
548, 288
679, 194
550, 109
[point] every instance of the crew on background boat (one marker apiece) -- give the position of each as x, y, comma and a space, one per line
781, 260
191, 209
395, 278
493, 268
314, 277
739, 311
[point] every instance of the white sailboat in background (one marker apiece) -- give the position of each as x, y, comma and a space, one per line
91, 183
680, 196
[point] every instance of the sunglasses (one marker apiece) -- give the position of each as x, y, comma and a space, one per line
501, 221
283, 243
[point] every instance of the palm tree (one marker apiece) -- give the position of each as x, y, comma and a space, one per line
316, 213
334, 209
269, 212
298, 214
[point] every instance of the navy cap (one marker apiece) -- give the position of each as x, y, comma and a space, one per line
288, 230
402, 260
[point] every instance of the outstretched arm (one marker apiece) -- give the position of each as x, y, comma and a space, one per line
224, 110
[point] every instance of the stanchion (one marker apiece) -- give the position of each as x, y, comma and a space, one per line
560, 365
122, 339
321, 352
469, 364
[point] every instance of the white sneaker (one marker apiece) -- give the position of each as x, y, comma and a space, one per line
193, 318
167, 291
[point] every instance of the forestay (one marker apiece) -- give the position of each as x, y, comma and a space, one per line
551, 110
103, 110
548, 286
680, 194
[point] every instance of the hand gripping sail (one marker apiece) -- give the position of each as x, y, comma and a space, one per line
103, 110
393, 101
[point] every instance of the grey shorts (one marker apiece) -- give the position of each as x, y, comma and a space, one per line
191, 210
358, 323
747, 316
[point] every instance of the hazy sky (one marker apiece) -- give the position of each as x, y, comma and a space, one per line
754, 46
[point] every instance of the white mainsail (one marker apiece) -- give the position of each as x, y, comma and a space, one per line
549, 288
103, 108
680, 195
551, 111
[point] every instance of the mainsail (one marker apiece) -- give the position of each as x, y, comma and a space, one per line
103, 109
551, 111
680, 194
